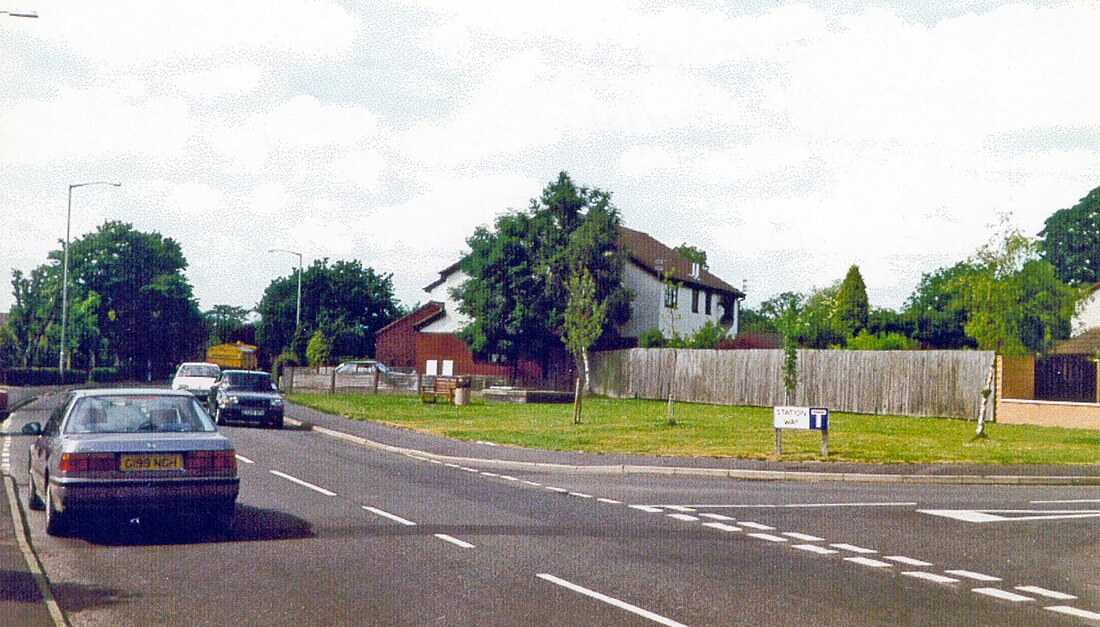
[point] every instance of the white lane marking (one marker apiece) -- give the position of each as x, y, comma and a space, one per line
853, 548
580, 495
1065, 501
623, 605
455, 541
718, 517
556, 489
647, 508
802, 536
721, 526
813, 548
1072, 611
972, 575
866, 561
1003, 594
797, 505
901, 559
307, 484
534, 483
1010, 515
684, 517
489, 474
474, 470
507, 478
394, 517
450, 465
609, 501
767, 536
754, 525
1043, 592
245, 459
920, 574
681, 508
29, 556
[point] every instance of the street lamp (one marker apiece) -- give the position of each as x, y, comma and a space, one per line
298, 312
19, 13
65, 279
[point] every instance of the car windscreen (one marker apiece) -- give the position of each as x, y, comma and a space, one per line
253, 381
136, 414
203, 371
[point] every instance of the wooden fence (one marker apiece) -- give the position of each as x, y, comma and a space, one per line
326, 380
906, 383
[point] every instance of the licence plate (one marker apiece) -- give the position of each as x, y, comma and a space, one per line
252, 412
172, 461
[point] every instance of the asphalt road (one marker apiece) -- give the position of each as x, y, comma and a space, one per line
328, 532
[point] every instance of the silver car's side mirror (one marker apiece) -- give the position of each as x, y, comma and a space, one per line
32, 428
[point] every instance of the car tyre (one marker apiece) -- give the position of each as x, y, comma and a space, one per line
57, 524
34, 501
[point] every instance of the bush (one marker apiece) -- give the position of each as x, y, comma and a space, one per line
651, 338
284, 360
104, 375
708, 336
881, 342
319, 350
44, 376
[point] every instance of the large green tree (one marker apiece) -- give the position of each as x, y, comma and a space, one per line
938, 309
1071, 241
516, 292
852, 307
346, 302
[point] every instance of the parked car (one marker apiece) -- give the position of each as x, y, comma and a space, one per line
246, 396
130, 452
365, 366
196, 377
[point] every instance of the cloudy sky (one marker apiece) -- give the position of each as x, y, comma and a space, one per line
788, 141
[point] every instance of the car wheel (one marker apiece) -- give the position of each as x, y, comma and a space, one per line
33, 500
57, 524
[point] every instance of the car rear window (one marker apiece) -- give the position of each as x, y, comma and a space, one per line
208, 372
136, 414
256, 381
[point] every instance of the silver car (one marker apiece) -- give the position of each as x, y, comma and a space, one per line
130, 452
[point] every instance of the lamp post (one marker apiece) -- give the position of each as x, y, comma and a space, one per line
65, 279
298, 312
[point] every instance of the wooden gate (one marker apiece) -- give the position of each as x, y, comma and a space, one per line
1070, 378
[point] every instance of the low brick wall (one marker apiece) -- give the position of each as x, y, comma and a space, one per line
1048, 413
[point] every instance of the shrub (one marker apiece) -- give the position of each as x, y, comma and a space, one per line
104, 375
881, 342
651, 338
284, 360
319, 350
44, 376
708, 336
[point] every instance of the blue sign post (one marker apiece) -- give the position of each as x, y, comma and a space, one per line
802, 418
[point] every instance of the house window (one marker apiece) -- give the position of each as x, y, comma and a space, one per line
694, 301
708, 303
672, 295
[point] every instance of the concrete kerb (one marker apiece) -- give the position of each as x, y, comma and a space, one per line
730, 473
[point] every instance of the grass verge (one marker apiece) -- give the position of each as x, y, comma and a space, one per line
640, 427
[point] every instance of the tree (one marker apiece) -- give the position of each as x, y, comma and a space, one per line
9, 348
319, 351
786, 311
694, 254
518, 271
1071, 241
37, 305
852, 306
226, 323
344, 300
583, 324
938, 310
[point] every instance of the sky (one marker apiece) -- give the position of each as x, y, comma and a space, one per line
788, 141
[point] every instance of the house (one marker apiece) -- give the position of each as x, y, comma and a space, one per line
671, 293
395, 343
1089, 315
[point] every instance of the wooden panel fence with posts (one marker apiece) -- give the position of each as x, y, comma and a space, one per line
906, 383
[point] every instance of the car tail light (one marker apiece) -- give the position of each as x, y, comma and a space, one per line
212, 460
87, 462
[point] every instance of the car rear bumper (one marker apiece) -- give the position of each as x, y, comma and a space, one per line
152, 494
241, 414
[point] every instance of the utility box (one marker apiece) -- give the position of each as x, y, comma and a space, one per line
238, 356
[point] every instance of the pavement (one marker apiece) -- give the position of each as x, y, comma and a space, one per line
25, 597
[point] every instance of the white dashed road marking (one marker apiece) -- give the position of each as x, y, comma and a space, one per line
646, 508
753, 525
609, 501
684, 517
866, 561
1043, 592
680, 508
394, 517
306, 484
718, 517
556, 489
766, 536
933, 577
813, 548
901, 559
1003, 594
1072, 611
245, 459
721, 526
853, 548
802, 536
453, 540
580, 495
623, 605
972, 575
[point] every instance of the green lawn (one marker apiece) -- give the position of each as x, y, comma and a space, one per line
635, 426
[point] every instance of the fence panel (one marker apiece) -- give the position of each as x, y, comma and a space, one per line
908, 383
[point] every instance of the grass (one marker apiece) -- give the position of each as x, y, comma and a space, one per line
640, 427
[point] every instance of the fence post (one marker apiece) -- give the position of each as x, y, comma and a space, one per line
374, 387
332, 382
290, 382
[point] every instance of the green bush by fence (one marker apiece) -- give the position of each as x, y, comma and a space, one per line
44, 376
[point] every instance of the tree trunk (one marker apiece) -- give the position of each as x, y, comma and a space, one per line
577, 402
587, 373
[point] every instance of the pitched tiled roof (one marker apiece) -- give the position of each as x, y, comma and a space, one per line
1088, 343
658, 259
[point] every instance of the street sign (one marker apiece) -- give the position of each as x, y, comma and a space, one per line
801, 418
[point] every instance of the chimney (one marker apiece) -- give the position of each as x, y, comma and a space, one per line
694, 270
